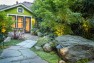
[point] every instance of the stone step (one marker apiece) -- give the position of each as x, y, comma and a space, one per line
27, 43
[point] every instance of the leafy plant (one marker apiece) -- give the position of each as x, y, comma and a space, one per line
42, 40
5, 24
53, 12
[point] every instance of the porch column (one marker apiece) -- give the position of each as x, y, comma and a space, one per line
24, 23
16, 21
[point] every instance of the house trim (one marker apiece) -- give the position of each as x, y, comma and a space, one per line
19, 15
16, 6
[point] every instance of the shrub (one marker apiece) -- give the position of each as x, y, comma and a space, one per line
5, 24
42, 40
62, 29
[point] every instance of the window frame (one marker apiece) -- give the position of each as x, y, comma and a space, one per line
18, 10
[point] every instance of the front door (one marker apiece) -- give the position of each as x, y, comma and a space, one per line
27, 24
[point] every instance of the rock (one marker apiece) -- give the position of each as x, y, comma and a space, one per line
38, 48
7, 39
47, 47
10, 34
91, 61
21, 37
64, 51
27, 43
39, 34
62, 61
75, 48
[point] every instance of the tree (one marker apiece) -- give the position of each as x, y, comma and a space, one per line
85, 7
54, 13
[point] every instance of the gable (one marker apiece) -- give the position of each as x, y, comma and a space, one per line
14, 10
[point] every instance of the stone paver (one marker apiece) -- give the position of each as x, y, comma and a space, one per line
91, 61
28, 54
27, 43
10, 53
18, 54
30, 37
16, 48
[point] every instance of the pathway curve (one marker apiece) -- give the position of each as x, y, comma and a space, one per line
21, 54
18, 54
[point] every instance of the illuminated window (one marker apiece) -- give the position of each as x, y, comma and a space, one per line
20, 22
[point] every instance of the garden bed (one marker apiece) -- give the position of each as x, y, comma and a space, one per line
50, 57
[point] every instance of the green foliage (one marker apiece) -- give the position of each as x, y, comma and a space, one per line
56, 16
51, 57
5, 23
82, 61
42, 40
62, 29
86, 7
86, 26
11, 43
53, 12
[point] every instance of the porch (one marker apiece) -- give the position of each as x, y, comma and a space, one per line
21, 23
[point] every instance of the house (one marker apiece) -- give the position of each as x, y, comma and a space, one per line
21, 13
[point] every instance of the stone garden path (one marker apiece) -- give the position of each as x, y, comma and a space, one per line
21, 53
18, 54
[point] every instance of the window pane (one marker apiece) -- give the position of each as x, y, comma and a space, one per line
20, 25
20, 19
20, 22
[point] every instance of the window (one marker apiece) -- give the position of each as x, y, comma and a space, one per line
20, 22
20, 10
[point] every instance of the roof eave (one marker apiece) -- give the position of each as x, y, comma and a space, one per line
16, 6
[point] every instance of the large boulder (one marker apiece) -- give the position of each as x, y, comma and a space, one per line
75, 48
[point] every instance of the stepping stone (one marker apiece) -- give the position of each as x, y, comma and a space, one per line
10, 53
16, 48
27, 43
11, 59
27, 53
